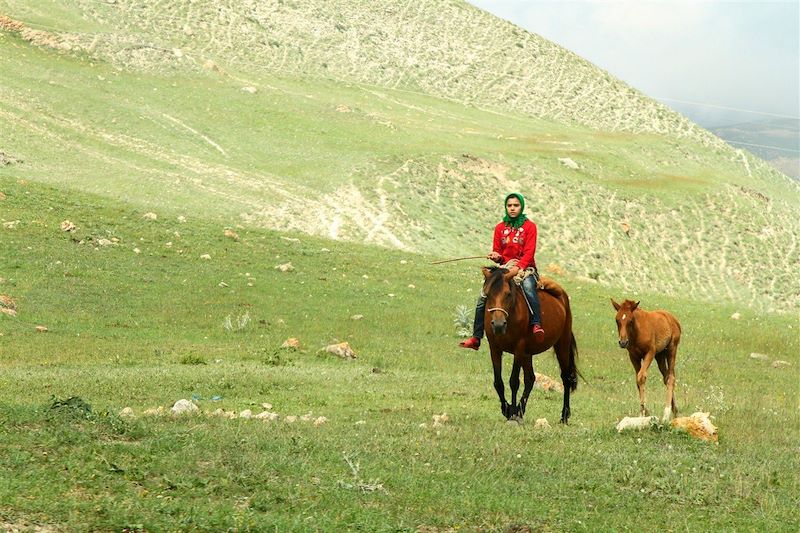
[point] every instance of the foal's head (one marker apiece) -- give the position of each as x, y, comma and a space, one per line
625, 319
499, 296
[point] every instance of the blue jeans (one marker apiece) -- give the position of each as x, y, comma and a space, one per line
532, 298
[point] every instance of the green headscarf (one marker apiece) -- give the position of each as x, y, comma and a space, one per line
520, 219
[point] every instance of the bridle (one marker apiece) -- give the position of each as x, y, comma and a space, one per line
498, 309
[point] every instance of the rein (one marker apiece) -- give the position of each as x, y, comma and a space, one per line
498, 309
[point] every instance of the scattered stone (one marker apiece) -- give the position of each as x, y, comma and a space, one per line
137, 251
759, 356
320, 421
569, 163
286, 267
778, 363
291, 419
103, 242
177, 52
342, 349
6, 159
181, 219
2, 196
67, 226
541, 423
231, 234
636, 423
249, 89
155, 411
341, 108
205, 256
210, 65
266, 406
41, 329
150, 216
184, 406
224, 414
222, 284
357, 317
7, 305
546, 383
307, 417
698, 425
736, 316
187, 30
267, 415
247, 413
12, 224
127, 412
291, 343
440, 420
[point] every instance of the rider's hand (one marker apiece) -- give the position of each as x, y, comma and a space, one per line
494, 256
514, 270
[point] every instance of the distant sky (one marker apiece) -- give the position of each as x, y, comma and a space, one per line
743, 55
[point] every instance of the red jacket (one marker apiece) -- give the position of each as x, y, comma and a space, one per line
519, 244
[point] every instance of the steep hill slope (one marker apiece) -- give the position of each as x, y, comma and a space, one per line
398, 124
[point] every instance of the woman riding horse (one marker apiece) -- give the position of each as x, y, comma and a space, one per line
515, 246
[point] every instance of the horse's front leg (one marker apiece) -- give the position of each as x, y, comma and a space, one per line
530, 379
513, 382
497, 365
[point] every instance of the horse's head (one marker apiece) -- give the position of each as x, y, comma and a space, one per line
625, 319
499, 296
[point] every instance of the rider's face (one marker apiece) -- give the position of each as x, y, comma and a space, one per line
513, 207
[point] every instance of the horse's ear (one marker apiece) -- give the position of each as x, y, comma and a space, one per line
615, 304
634, 306
486, 272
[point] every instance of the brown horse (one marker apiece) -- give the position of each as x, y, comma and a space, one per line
648, 335
506, 326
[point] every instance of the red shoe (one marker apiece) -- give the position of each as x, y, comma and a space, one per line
538, 333
472, 342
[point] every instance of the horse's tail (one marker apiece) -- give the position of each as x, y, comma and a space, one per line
572, 369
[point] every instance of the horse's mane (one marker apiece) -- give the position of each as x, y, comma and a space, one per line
495, 278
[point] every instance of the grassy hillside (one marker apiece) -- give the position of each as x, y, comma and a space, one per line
402, 169
139, 322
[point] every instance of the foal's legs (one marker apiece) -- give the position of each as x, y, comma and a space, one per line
641, 367
668, 371
668, 357
497, 364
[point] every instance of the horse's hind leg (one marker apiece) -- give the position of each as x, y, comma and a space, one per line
562, 348
497, 365
530, 378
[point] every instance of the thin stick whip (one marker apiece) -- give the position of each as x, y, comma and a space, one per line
459, 259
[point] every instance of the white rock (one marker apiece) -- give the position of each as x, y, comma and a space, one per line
184, 406
205, 256
251, 90
267, 415
736, 316
759, 356
320, 420
247, 413
636, 423
127, 412
569, 163
286, 267
150, 216
541, 423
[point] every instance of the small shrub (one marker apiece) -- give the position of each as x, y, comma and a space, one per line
463, 321
192, 359
241, 322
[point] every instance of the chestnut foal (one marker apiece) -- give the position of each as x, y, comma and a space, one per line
648, 335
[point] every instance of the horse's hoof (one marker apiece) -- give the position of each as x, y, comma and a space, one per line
515, 420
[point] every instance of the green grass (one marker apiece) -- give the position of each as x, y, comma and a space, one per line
128, 329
